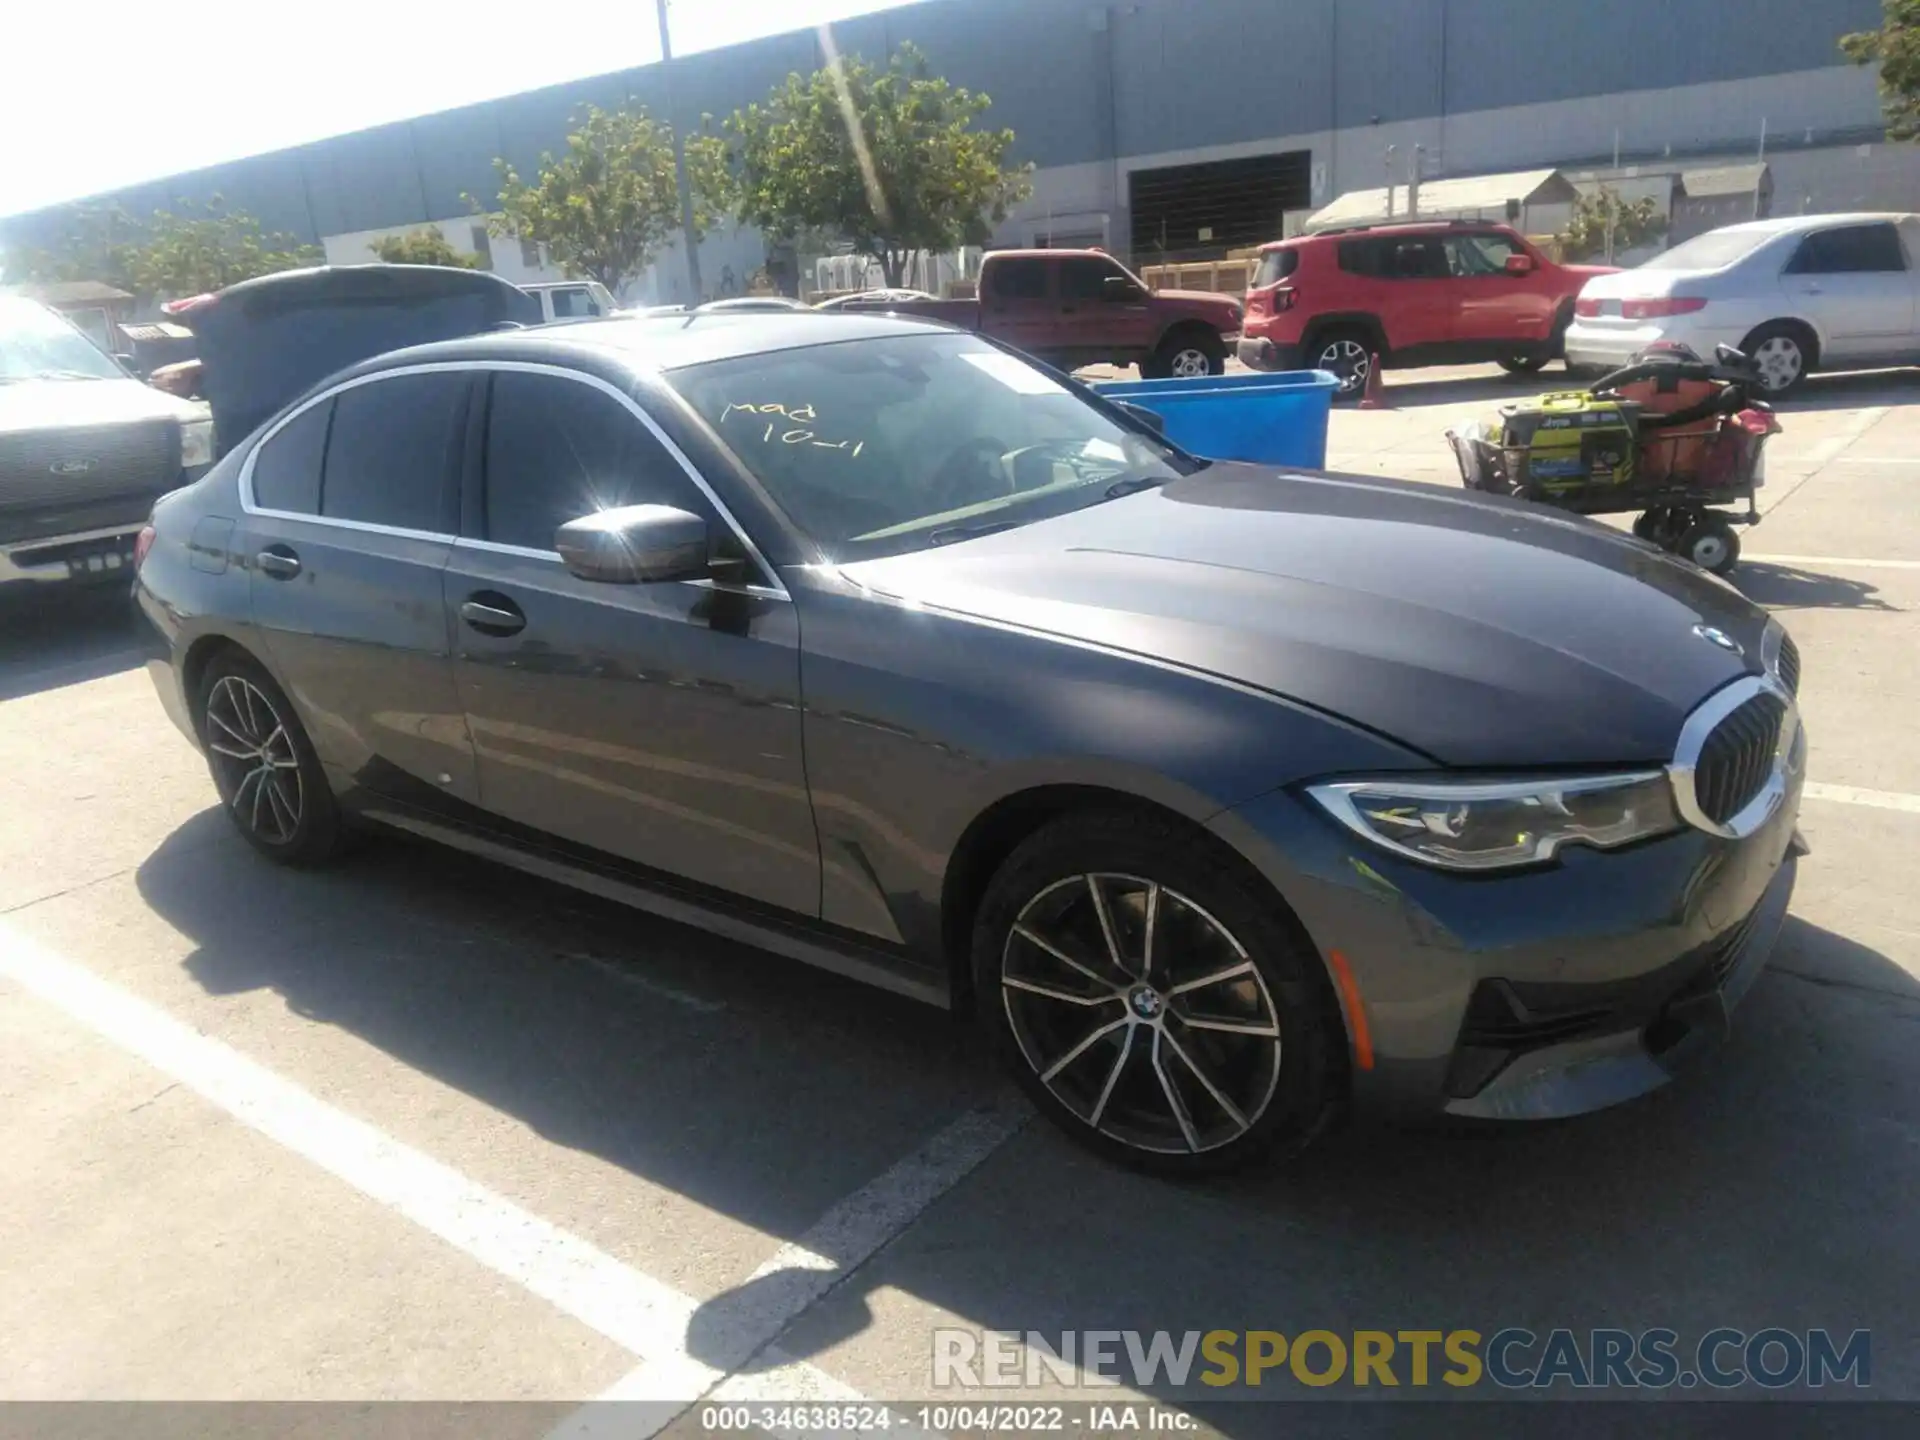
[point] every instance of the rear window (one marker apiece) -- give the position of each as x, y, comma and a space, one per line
1714, 250
1275, 266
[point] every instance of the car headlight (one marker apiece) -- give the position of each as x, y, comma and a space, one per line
196, 443
1479, 826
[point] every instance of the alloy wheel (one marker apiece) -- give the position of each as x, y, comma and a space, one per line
254, 760
1779, 360
1190, 364
1141, 1013
1348, 362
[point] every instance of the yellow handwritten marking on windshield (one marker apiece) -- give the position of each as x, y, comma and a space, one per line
799, 435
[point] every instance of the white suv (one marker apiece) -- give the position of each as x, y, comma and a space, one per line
1800, 294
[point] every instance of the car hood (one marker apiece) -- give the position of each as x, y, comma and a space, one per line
1199, 299
1481, 631
65, 404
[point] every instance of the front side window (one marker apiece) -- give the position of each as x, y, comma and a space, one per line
286, 471
36, 344
1850, 250
558, 450
1485, 254
392, 452
1423, 259
1083, 281
879, 446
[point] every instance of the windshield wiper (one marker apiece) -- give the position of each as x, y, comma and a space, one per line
1133, 485
948, 534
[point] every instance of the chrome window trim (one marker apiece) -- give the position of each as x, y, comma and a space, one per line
1789, 755
776, 590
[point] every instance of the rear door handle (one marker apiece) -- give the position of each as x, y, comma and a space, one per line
492, 614
278, 561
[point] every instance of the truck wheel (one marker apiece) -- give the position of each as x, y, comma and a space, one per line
1186, 355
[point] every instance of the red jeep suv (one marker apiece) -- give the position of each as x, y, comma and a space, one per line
1432, 293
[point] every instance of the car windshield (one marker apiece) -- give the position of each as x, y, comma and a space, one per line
1714, 250
884, 445
36, 344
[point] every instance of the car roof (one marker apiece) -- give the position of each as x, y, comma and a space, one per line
663, 342
1793, 224
1388, 228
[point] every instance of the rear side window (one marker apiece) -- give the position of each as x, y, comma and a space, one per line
286, 471
1275, 266
1850, 250
558, 449
392, 450
1019, 279
1361, 257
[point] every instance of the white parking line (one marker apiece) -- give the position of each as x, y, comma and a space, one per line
1854, 795
1838, 562
645, 1316
1829, 450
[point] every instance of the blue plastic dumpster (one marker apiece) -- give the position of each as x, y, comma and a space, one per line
1272, 419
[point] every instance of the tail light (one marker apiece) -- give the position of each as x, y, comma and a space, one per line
142, 543
1661, 307
1276, 301
1586, 309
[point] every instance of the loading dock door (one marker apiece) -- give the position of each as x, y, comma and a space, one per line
1199, 212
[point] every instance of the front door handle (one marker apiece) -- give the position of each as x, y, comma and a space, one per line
492, 614
278, 562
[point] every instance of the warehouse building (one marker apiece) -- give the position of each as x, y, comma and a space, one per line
1180, 129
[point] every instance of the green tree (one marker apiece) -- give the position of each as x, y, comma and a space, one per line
426, 246
1895, 46
93, 241
605, 206
888, 158
208, 248
1632, 223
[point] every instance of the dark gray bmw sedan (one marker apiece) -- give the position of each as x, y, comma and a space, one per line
1225, 796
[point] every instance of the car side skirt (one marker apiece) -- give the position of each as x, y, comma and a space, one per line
618, 880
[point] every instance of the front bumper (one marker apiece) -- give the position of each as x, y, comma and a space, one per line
1535, 994
88, 557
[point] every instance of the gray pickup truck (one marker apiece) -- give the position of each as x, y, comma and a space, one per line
85, 449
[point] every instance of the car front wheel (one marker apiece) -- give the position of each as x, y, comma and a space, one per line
1152, 997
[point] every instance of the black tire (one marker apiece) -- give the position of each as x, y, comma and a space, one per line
1347, 353
1124, 1088
1783, 353
1182, 353
1528, 364
277, 796
1712, 545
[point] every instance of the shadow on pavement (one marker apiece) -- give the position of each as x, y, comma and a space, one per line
1772, 1179
65, 638
1851, 390
1788, 587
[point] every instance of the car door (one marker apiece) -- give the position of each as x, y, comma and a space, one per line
658, 723
1097, 323
1855, 283
1418, 291
1018, 305
350, 506
1491, 305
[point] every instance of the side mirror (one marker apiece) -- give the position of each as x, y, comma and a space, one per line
635, 544
1152, 419
1120, 288
1519, 264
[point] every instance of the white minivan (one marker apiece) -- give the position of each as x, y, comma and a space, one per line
1805, 293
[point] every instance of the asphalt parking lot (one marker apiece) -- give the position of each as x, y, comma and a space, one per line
419, 1128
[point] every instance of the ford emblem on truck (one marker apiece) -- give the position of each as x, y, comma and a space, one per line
72, 467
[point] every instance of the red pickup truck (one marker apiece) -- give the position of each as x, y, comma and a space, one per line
1070, 308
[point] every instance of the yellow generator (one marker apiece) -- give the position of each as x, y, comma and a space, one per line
1567, 441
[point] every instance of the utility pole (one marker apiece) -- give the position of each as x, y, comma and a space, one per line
1389, 159
679, 158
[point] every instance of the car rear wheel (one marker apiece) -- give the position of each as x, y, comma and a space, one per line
263, 765
1152, 998
1344, 354
1782, 355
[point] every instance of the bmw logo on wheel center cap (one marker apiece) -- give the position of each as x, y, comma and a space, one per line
1146, 1002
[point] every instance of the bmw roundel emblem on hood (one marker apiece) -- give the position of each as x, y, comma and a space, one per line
71, 467
1718, 637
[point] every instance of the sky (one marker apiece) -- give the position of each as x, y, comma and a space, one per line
114, 92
